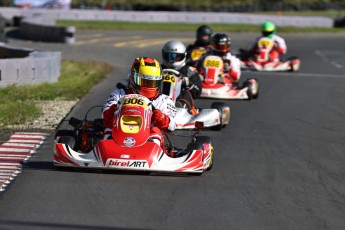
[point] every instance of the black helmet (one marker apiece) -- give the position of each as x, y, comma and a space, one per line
221, 43
203, 35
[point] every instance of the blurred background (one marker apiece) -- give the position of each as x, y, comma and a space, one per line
334, 6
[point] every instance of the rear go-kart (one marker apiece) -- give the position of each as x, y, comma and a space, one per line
216, 117
134, 144
215, 84
260, 61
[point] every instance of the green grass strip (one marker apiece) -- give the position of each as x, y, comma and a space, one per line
17, 103
184, 27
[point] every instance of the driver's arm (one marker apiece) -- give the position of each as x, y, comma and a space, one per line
167, 107
110, 107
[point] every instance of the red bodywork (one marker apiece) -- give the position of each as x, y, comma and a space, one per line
135, 145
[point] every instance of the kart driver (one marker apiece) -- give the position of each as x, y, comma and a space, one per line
174, 57
145, 78
221, 45
268, 29
202, 42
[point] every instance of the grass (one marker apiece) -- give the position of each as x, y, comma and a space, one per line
321, 13
76, 80
117, 25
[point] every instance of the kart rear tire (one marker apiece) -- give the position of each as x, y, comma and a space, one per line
206, 139
219, 106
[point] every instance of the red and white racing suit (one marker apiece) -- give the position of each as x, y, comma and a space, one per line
232, 66
279, 47
160, 102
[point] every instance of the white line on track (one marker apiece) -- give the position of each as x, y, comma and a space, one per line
326, 54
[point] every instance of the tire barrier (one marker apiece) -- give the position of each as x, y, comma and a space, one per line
20, 66
339, 22
41, 27
2, 28
36, 32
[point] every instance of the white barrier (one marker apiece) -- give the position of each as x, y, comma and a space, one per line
186, 17
16, 68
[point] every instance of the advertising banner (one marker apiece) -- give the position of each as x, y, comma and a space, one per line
43, 3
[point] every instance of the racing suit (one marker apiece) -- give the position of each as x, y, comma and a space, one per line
232, 66
279, 47
191, 87
160, 102
202, 49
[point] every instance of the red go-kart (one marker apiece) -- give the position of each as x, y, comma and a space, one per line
135, 144
217, 85
260, 61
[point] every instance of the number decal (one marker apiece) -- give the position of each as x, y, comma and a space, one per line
133, 101
169, 78
212, 63
265, 43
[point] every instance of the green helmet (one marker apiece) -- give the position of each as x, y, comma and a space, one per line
268, 29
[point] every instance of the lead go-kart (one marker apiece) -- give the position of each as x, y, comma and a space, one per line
215, 84
132, 145
215, 118
260, 61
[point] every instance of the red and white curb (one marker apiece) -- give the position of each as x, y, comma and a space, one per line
17, 150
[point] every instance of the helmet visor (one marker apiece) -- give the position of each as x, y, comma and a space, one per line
222, 47
173, 57
147, 80
267, 33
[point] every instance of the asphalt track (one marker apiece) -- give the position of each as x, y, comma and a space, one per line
278, 165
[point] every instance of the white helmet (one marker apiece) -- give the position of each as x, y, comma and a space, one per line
174, 54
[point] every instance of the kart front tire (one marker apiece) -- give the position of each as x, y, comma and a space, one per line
250, 86
206, 140
66, 137
219, 106
195, 146
292, 60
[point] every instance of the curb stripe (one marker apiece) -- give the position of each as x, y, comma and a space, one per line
19, 145
14, 150
18, 149
25, 141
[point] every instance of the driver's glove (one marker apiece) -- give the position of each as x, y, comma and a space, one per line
161, 120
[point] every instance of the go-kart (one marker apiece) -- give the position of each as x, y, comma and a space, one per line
215, 84
216, 118
134, 143
260, 61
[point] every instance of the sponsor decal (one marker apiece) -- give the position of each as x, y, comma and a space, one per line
129, 141
127, 163
125, 156
132, 111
